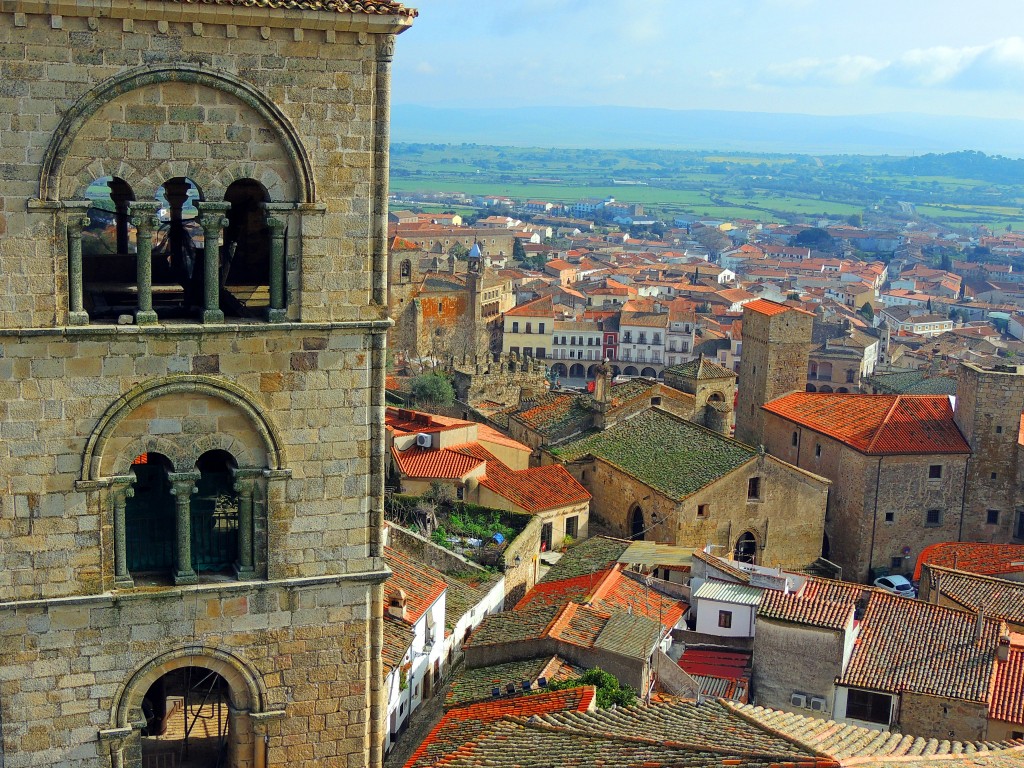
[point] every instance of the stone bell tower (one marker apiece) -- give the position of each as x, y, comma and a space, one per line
192, 336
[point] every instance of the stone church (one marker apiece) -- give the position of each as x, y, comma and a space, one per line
193, 319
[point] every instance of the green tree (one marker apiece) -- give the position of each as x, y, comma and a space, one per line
816, 238
459, 251
432, 389
855, 220
518, 251
609, 691
867, 311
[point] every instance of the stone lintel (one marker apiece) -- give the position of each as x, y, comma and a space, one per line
378, 576
76, 332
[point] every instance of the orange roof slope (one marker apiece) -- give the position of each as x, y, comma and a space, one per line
463, 724
877, 424
431, 463
1007, 702
534, 489
820, 603
421, 584
766, 307
983, 559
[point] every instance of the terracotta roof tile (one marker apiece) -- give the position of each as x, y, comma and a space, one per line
534, 489
999, 598
596, 554
464, 724
421, 584
819, 603
1008, 686
376, 7
983, 559
877, 424
398, 638
434, 463
907, 644
471, 685
770, 308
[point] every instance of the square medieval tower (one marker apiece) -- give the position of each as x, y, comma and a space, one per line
192, 335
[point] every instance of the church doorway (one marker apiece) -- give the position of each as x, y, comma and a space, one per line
187, 721
746, 548
636, 524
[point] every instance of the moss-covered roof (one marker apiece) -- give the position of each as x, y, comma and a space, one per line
673, 456
594, 555
913, 383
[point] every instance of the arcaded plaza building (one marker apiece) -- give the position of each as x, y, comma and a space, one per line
192, 346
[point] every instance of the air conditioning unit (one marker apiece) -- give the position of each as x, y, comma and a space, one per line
798, 700
423, 439
817, 704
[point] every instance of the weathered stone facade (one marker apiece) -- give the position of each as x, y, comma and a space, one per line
786, 521
877, 517
289, 401
776, 348
988, 411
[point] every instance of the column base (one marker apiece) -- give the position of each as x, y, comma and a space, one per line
245, 573
185, 578
213, 316
78, 318
145, 317
277, 315
123, 582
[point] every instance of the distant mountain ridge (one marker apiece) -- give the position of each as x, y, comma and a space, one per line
710, 130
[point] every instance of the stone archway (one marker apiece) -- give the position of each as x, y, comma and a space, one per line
746, 548
637, 523
246, 698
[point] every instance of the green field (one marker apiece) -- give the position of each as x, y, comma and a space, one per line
784, 188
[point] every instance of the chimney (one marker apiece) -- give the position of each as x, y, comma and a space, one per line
1003, 649
397, 605
979, 625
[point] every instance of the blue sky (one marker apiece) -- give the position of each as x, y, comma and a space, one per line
827, 57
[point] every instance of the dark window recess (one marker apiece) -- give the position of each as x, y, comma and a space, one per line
933, 517
999, 430
655, 401
868, 706
992, 517
795, 439
896, 562
1019, 532
572, 526
817, 450
702, 510
890, 516
725, 619
935, 472
754, 488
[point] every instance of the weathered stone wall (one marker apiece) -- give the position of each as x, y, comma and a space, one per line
500, 381
988, 412
205, 124
787, 522
776, 349
936, 717
792, 659
867, 488
66, 666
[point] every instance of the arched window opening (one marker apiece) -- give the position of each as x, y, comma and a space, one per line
108, 249
649, 373
716, 397
150, 517
636, 524
631, 371
178, 250
188, 720
406, 269
214, 514
245, 257
746, 548
577, 371
592, 372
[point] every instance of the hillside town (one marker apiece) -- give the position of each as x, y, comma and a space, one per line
294, 474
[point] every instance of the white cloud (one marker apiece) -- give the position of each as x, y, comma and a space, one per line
994, 66
425, 68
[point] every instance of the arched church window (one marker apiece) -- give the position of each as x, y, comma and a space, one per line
108, 249
246, 254
150, 517
214, 514
178, 250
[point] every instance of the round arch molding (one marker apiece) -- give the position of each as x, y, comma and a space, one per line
183, 383
247, 691
91, 102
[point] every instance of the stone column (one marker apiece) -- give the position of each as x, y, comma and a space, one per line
121, 490
276, 313
213, 221
76, 221
122, 199
245, 484
385, 53
144, 214
183, 485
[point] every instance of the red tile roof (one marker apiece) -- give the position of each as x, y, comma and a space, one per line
542, 307
766, 307
910, 645
1007, 702
533, 490
433, 463
819, 603
462, 725
560, 592
983, 559
421, 584
378, 7
877, 424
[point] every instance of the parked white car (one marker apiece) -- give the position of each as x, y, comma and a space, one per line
898, 585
